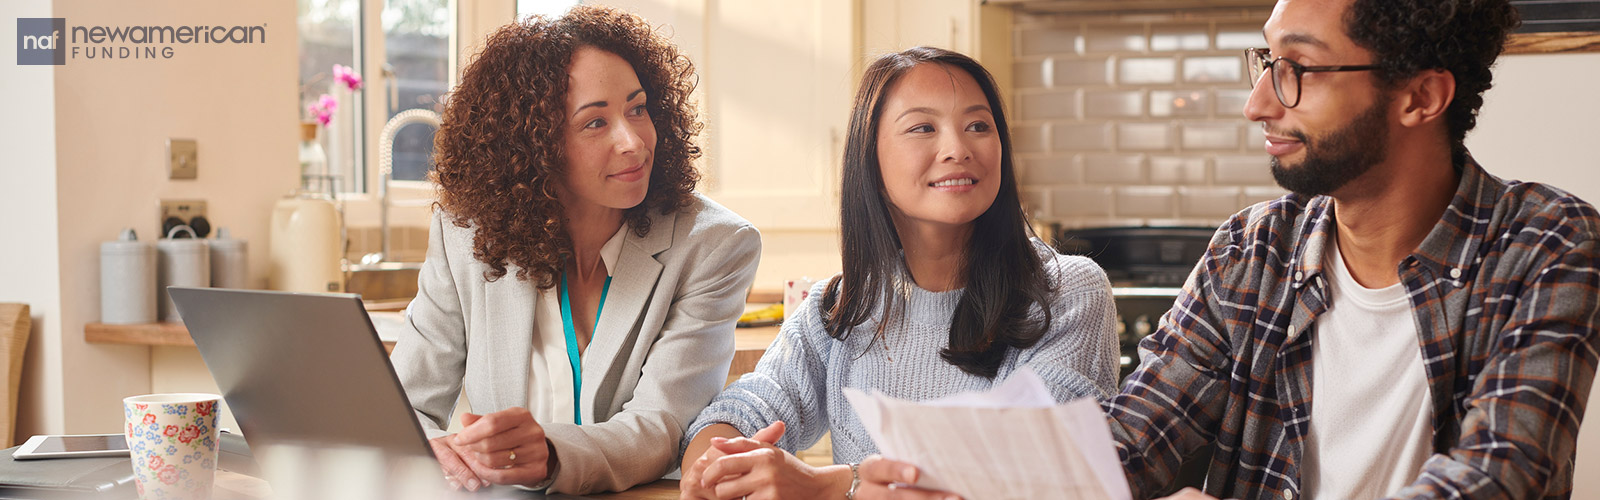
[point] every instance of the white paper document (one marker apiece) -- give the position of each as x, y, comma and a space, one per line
1012, 442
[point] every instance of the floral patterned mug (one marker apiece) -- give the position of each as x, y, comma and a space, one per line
172, 440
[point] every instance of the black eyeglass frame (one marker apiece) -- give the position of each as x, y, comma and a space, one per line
1271, 66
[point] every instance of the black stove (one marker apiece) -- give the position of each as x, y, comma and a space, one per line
1147, 267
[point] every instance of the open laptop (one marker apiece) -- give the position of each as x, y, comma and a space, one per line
304, 368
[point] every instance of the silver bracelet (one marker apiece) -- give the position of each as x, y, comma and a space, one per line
855, 480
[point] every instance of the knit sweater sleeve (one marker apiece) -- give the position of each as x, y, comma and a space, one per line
1078, 355
788, 384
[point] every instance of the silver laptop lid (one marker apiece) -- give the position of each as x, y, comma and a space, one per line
300, 368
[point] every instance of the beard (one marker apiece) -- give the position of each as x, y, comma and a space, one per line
1334, 159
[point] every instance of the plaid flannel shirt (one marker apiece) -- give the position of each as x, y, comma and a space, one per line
1506, 294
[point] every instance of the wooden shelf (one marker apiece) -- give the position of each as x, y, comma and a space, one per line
162, 334
749, 343
151, 334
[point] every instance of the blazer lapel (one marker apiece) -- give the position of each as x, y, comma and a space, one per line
632, 284
510, 309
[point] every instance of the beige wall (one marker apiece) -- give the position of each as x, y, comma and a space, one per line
112, 118
29, 261
1541, 122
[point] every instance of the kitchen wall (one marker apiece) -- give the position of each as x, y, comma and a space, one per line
111, 119
1541, 122
29, 258
1136, 119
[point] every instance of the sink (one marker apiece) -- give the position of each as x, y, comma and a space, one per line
383, 282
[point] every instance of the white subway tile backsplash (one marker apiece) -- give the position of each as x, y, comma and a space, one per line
1027, 139
1031, 74
1114, 169
1146, 201
1050, 171
1252, 170
1180, 37
1036, 202
1211, 136
1180, 103
1048, 105
1080, 136
1221, 69
1240, 36
1048, 40
1146, 70
1080, 201
1137, 118
1144, 136
1255, 139
1115, 38
1113, 103
1208, 202
1230, 102
1085, 72
1187, 170
1257, 194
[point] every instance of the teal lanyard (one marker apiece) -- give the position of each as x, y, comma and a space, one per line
572, 343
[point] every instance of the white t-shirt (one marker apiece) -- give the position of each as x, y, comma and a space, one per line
550, 397
1371, 411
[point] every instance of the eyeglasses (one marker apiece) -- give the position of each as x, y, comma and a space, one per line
1286, 73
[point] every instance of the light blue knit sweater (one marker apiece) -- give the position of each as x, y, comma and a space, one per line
801, 377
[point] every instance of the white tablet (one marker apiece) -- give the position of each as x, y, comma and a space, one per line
87, 445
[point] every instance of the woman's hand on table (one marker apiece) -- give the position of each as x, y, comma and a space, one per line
753, 468
505, 447
882, 478
690, 487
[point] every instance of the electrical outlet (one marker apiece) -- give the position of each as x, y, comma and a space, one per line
183, 159
190, 213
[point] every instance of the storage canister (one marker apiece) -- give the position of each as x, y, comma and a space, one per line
127, 280
183, 262
229, 261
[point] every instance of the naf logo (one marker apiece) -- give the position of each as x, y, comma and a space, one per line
40, 40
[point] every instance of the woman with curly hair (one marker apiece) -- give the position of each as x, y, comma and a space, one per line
576, 289
942, 291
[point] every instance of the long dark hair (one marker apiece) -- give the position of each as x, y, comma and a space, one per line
1004, 277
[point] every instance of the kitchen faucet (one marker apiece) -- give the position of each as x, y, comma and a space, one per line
386, 165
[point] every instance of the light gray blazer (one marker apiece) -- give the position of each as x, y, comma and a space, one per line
660, 352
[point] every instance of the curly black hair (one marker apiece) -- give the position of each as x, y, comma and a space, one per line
498, 156
1463, 37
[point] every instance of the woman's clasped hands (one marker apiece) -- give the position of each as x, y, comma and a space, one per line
505, 447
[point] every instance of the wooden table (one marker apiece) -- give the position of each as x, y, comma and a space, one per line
663, 489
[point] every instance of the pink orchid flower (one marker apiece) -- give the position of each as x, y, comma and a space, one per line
323, 109
327, 102
347, 75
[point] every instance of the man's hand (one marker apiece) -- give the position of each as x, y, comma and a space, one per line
1190, 494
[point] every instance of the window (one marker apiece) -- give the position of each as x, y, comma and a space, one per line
416, 40
412, 72
328, 36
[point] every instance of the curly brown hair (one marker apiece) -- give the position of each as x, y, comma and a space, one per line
1462, 36
498, 155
